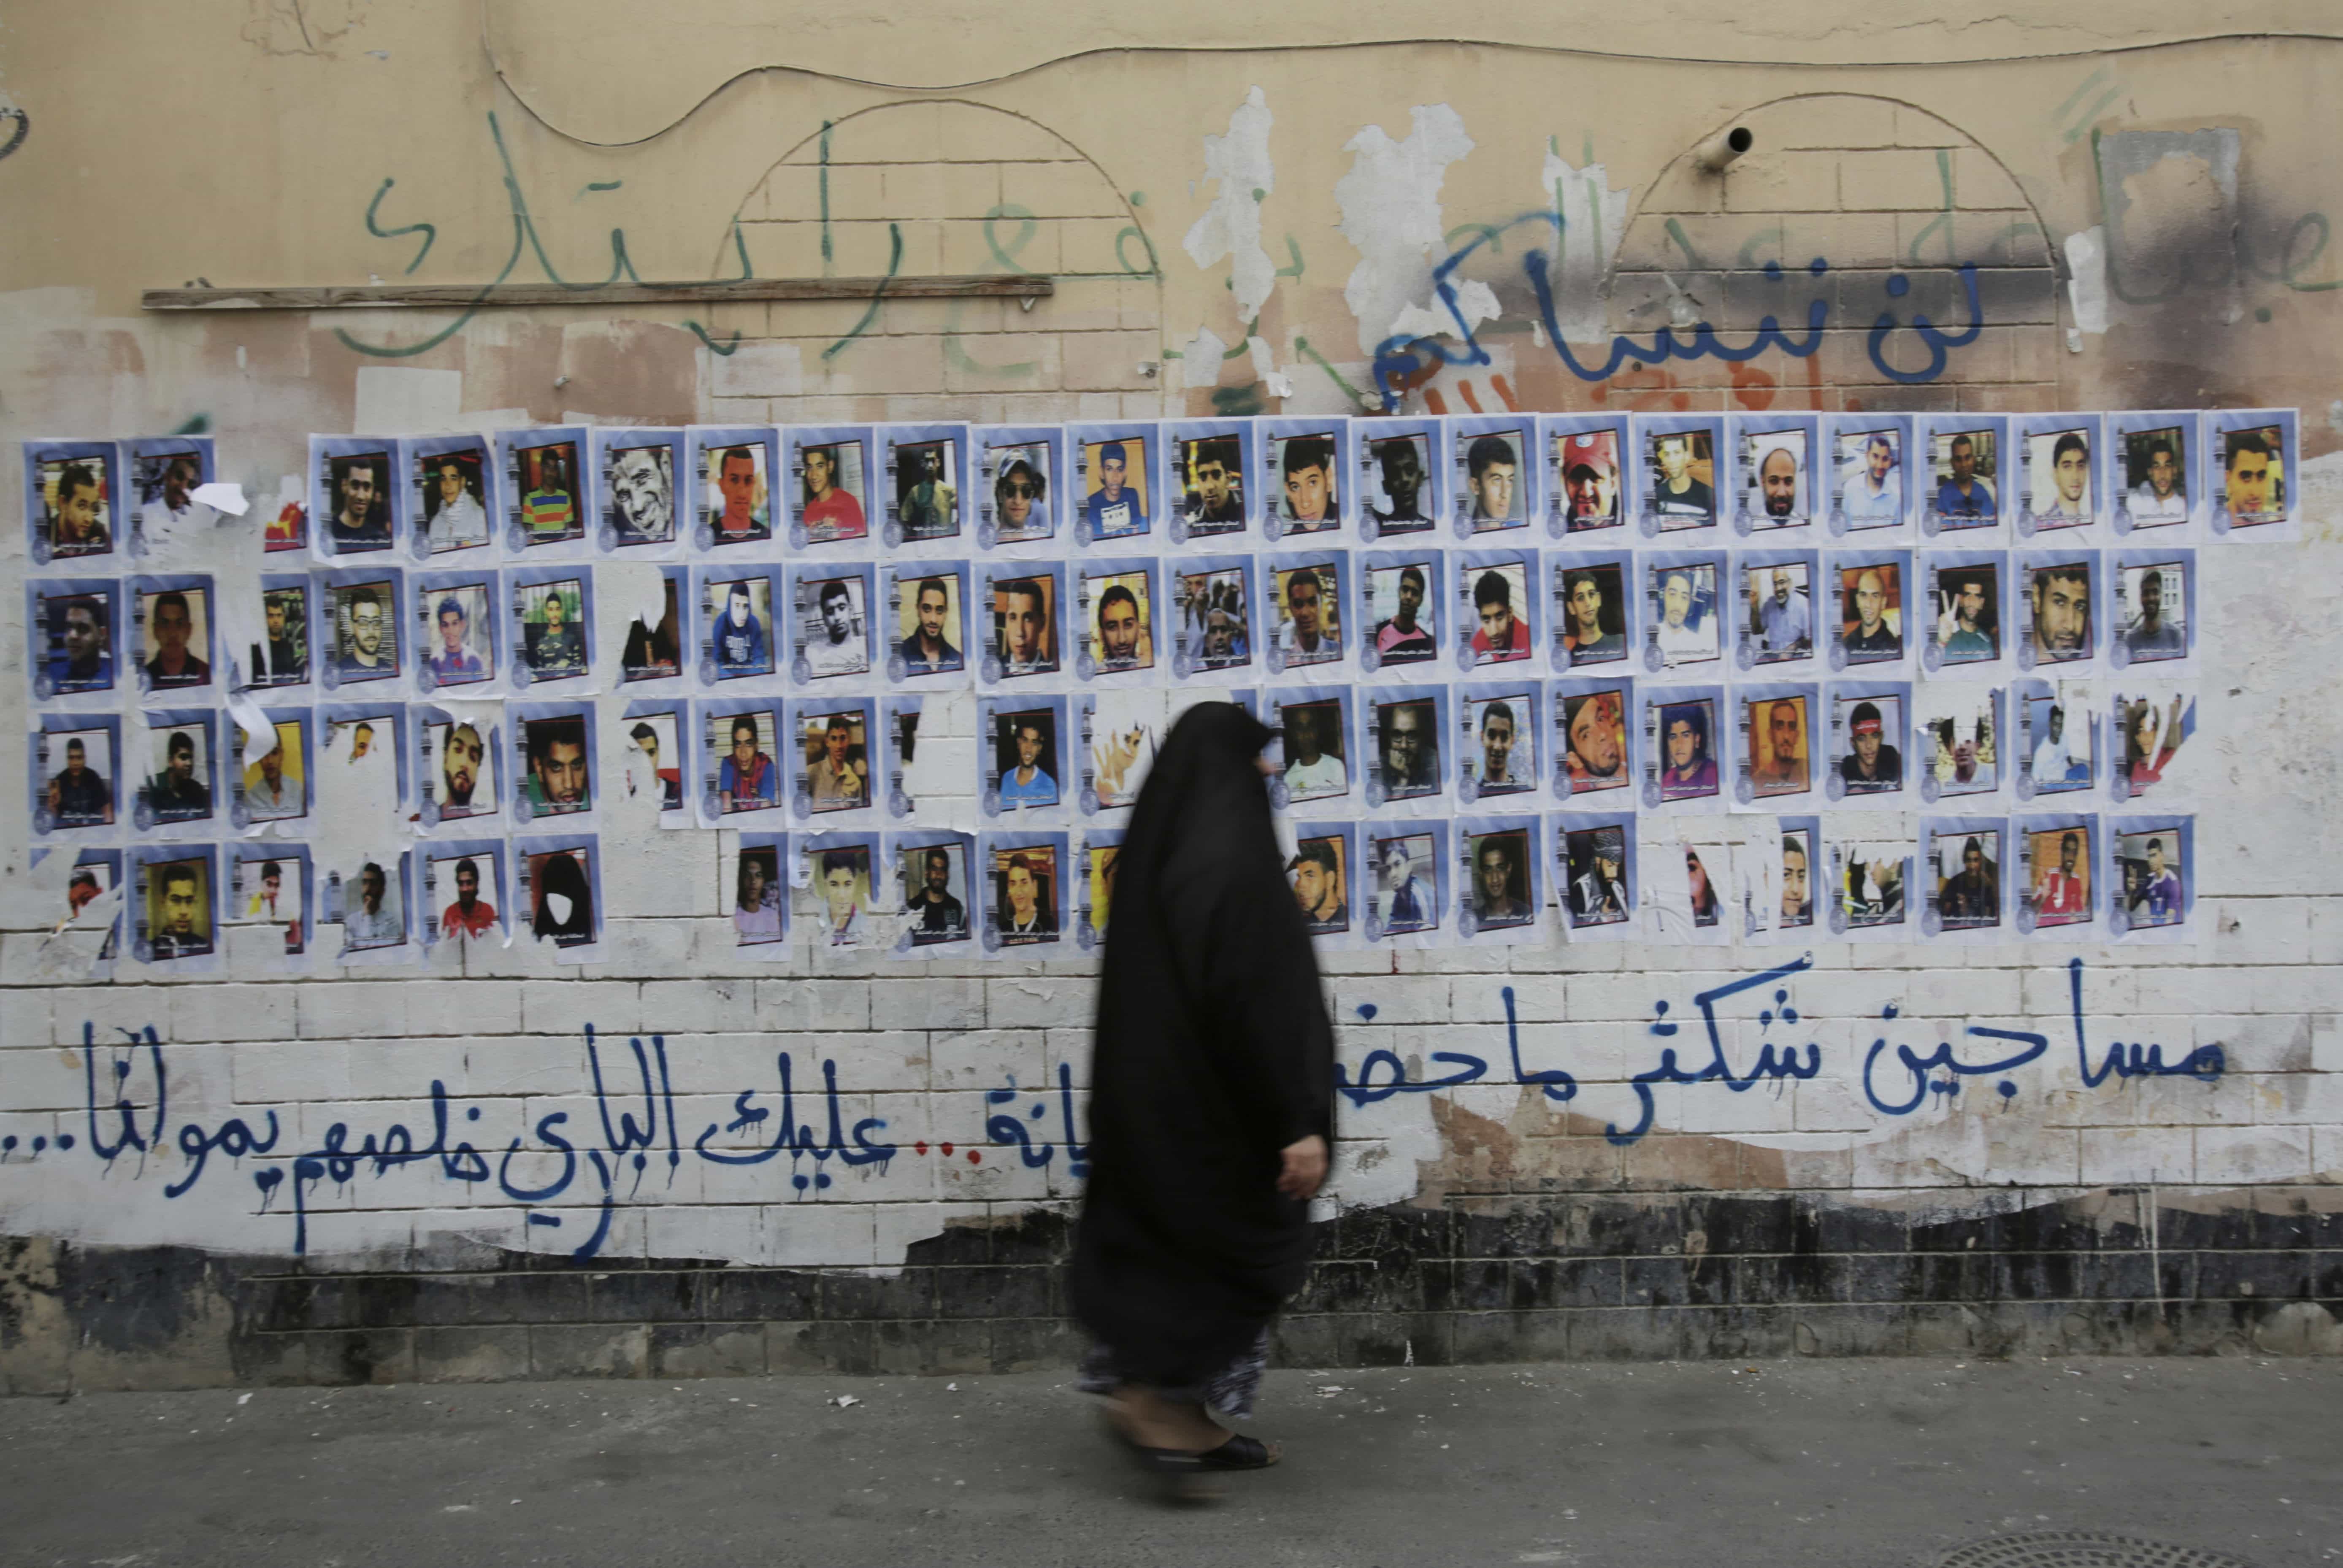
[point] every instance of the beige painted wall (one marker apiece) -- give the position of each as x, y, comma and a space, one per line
259, 134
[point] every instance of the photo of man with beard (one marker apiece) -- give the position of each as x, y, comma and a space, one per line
465, 788
368, 640
642, 493
927, 648
2062, 612
360, 518
1874, 593
1596, 607
1589, 465
469, 915
938, 914
1780, 475
1125, 631
1319, 887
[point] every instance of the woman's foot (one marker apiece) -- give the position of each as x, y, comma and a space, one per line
1148, 1420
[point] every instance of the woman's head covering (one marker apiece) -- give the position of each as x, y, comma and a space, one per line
1204, 769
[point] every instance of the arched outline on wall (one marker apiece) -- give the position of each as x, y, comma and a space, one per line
2057, 265
1397, 357
1130, 213
1132, 226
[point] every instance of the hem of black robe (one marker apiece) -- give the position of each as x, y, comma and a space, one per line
1231, 1390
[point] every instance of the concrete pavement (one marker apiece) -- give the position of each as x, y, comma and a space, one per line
1809, 1462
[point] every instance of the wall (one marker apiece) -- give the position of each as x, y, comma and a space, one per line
1238, 225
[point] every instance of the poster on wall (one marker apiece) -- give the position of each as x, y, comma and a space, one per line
73, 494
164, 474
451, 496
1872, 477
74, 626
1019, 506
638, 475
1776, 481
1308, 463
1218, 489
730, 473
925, 473
1587, 486
465, 893
541, 478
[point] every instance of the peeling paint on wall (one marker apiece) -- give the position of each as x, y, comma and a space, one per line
1199, 360
2169, 204
398, 400
1230, 226
1593, 216
1390, 201
2087, 286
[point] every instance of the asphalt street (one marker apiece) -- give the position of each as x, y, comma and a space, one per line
1807, 1463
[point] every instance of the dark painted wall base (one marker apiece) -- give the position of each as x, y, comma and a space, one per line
1497, 1280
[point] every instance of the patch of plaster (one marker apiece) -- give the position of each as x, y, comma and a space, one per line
1264, 357
1230, 225
1594, 217
2086, 278
1199, 360
1390, 202
2321, 481
395, 400
2168, 212
754, 370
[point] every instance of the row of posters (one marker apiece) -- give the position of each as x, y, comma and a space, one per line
1494, 879
573, 492
1389, 749
1108, 622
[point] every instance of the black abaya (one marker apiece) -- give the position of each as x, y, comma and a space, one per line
1213, 1052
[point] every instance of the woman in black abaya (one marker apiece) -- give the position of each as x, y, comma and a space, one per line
1212, 1103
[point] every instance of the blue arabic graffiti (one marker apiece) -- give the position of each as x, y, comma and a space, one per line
1717, 1069
128, 1112
2205, 1064
636, 1120
1404, 359
1005, 1129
